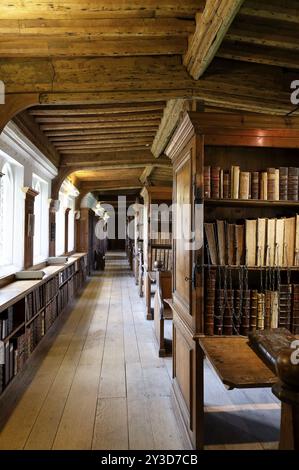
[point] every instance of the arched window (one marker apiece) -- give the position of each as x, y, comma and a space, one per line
41, 227
7, 197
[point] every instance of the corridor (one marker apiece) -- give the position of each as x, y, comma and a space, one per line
95, 381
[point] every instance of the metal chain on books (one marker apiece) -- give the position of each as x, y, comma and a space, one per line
278, 282
289, 295
238, 316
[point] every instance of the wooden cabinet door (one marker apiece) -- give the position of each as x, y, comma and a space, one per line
187, 189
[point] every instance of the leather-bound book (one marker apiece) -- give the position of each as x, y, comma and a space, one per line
260, 311
276, 186
240, 244
245, 322
215, 182
268, 309
231, 245
283, 183
279, 242
226, 185
255, 185
220, 300
220, 225
244, 184
228, 313
236, 182
289, 241
285, 306
207, 182
264, 186
270, 242
261, 241
253, 310
221, 176
293, 184
274, 310
237, 311
271, 184
211, 239
296, 257
210, 302
295, 310
251, 241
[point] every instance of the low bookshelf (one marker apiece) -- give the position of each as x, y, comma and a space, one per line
28, 309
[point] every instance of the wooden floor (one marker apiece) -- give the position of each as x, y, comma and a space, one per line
95, 382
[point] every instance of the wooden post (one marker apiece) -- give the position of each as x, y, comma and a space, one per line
30, 196
287, 391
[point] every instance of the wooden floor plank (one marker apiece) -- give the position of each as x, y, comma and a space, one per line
111, 425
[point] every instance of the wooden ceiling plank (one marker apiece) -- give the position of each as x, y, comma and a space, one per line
211, 28
90, 9
108, 118
96, 110
103, 150
102, 125
286, 11
91, 138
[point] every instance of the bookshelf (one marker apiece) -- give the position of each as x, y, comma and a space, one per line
218, 140
138, 241
157, 242
29, 308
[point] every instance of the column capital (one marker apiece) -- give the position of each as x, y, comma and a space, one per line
54, 205
30, 192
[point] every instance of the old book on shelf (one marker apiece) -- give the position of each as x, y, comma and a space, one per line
30, 275
279, 242
295, 310
221, 182
228, 313
270, 243
251, 242
274, 310
264, 186
244, 185
253, 310
269, 343
215, 182
57, 260
255, 185
245, 323
221, 241
285, 305
289, 241
235, 183
293, 184
261, 241
283, 183
230, 243
207, 182
220, 304
210, 302
240, 244
260, 311
271, 184
237, 311
211, 240
296, 256
226, 185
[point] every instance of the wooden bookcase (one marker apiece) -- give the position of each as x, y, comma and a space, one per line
29, 308
152, 196
254, 142
138, 239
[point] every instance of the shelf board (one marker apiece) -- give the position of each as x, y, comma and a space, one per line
35, 316
18, 328
156, 245
249, 203
254, 268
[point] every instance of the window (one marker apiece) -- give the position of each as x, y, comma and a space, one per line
71, 234
67, 196
41, 212
11, 217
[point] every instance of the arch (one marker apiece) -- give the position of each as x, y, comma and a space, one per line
14, 104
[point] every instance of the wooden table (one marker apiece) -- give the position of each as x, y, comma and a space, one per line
235, 363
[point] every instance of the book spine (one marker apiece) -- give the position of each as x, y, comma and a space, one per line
293, 184
255, 185
228, 313
260, 311
210, 303
253, 310
238, 311
226, 185
215, 182
220, 301
283, 183
244, 185
207, 182
295, 310
271, 184
245, 324
268, 309
264, 186
285, 299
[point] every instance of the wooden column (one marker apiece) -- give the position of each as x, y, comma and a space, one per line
54, 207
66, 230
30, 196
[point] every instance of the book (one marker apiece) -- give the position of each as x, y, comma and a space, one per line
230, 244
271, 180
220, 304
220, 224
226, 185
261, 241
250, 242
283, 183
253, 310
211, 240
296, 256
285, 303
255, 185
264, 186
30, 275
295, 311
279, 242
207, 182
235, 182
57, 260
289, 241
210, 303
260, 311
215, 182
240, 245
270, 242
228, 313
244, 184
293, 184
245, 323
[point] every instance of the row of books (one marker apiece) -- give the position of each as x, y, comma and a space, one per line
51, 288
34, 302
257, 242
237, 311
50, 315
164, 255
162, 238
6, 322
67, 273
274, 184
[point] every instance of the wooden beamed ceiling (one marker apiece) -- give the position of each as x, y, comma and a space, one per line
112, 77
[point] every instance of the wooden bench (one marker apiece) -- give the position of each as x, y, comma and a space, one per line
162, 310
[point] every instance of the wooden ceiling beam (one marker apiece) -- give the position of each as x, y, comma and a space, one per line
211, 27
72, 47
96, 110
103, 143
117, 184
100, 125
272, 34
259, 54
98, 132
91, 138
107, 150
90, 9
142, 158
286, 11
91, 29
107, 118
